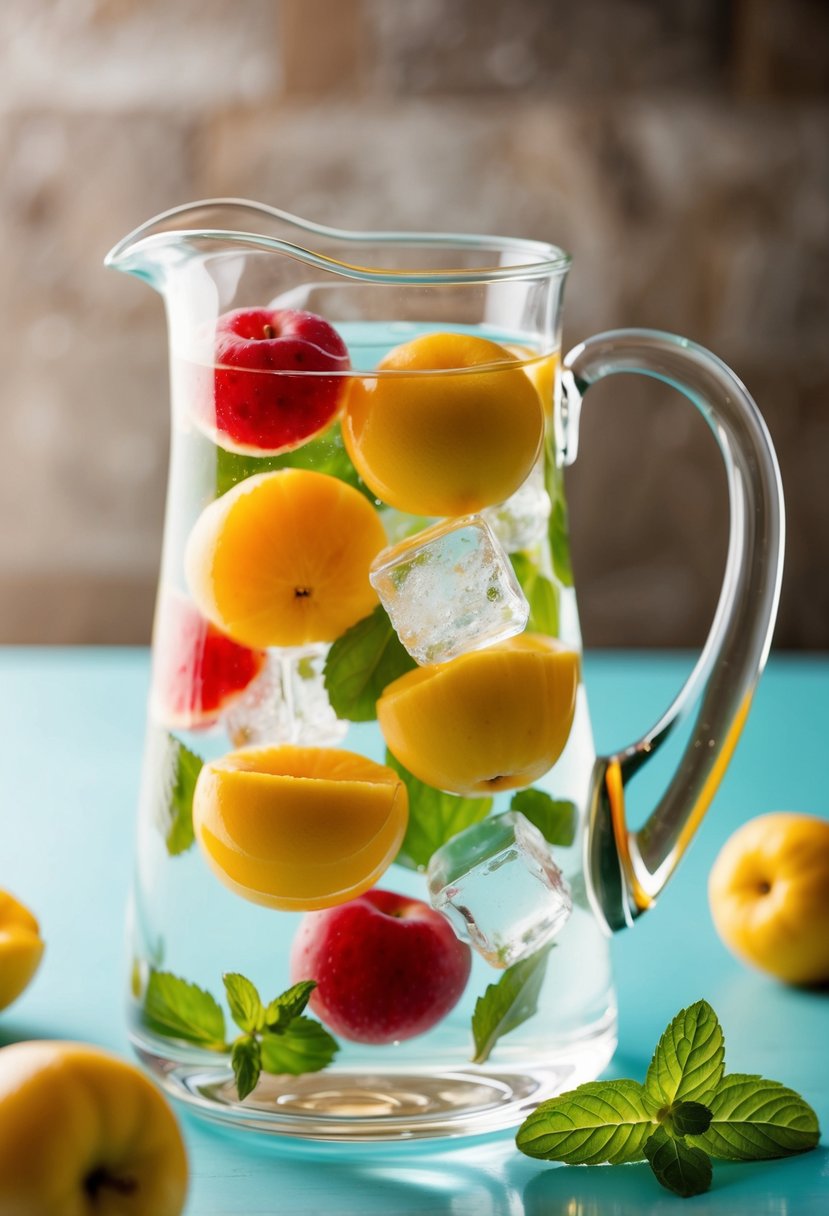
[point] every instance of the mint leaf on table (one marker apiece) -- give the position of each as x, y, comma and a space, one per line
689, 1060
753, 1119
678, 1166
177, 770
283, 1009
361, 663
555, 819
434, 817
542, 596
597, 1123
246, 1006
508, 1003
304, 1046
246, 1061
180, 1010
686, 1119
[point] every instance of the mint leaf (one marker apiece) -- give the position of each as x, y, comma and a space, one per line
246, 1060
177, 769
324, 454
556, 820
175, 1008
678, 1166
558, 528
685, 1118
689, 1060
601, 1121
434, 817
245, 1005
507, 1004
542, 595
290, 1004
361, 663
753, 1119
304, 1046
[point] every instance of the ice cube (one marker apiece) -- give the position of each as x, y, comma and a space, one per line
286, 703
499, 886
449, 589
522, 520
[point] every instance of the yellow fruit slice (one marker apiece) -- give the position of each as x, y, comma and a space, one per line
21, 948
433, 436
299, 828
490, 720
282, 559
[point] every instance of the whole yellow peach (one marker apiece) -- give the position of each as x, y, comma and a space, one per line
83, 1133
21, 948
769, 895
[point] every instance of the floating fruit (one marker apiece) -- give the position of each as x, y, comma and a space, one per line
489, 720
267, 392
387, 967
197, 670
282, 559
769, 895
299, 827
21, 948
541, 370
433, 436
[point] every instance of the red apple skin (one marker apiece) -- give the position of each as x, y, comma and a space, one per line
197, 670
387, 967
256, 412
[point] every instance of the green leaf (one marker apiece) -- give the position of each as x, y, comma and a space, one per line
434, 817
678, 1166
542, 595
361, 663
508, 1003
246, 1059
325, 454
304, 1046
555, 820
288, 1005
689, 1060
246, 1007
753, 1119
686, 1118
558, 527
180, 1010
601, 1121
177, 769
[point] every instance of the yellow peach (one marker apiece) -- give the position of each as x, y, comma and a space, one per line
21, 948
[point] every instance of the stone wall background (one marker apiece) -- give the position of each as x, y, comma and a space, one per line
680, 151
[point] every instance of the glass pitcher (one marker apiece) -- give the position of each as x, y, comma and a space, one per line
378, 860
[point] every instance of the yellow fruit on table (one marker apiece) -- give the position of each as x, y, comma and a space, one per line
769, 895
433, 436
83, 1133
299, 828
282, 559
493, 719
21, 948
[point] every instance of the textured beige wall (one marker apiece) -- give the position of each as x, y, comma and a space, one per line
680, 151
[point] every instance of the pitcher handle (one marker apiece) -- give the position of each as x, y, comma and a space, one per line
627, 869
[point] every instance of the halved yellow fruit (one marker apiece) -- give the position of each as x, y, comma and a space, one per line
435, 436
282, 559
299, 828
21, 948
493, 719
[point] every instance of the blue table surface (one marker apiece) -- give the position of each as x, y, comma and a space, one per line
72, 726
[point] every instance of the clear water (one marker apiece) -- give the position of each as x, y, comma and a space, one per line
185, 921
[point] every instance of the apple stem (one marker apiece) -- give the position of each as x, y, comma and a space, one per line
269, 331
100, 1179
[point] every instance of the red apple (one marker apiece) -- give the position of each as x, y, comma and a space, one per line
197, 669
263, 398
387, 967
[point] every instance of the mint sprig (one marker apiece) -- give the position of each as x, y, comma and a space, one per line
361, 663
542, 595
176, 769
434, 817
508, 1003
556, 819
687, 1111
276, 1038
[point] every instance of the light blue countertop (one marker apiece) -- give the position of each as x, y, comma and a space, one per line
72, 729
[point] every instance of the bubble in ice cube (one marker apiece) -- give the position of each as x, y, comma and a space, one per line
522, 520
499, 886
450, 589
286, 703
